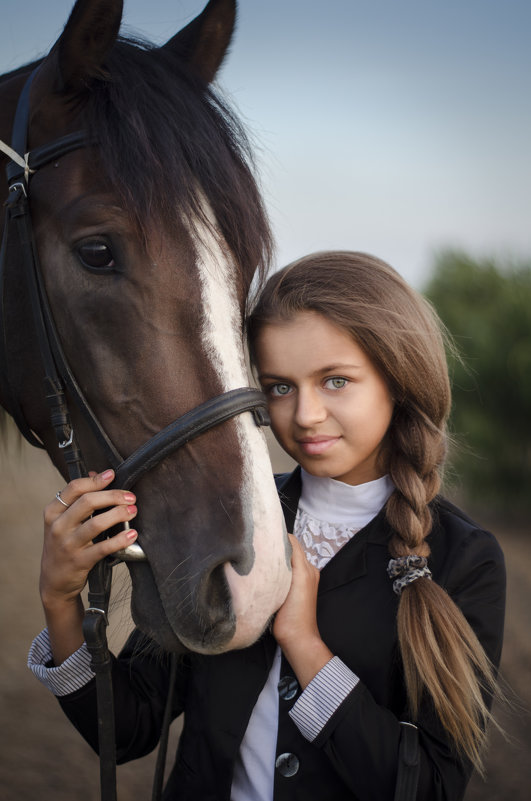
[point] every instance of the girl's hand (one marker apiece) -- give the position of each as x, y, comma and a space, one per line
295, 626
296, 618
69, 552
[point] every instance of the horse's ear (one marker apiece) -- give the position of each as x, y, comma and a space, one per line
78, 55
203, 43
88, 36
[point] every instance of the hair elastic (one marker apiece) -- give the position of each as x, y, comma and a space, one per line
406, 569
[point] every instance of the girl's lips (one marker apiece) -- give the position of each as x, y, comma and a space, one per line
317, 445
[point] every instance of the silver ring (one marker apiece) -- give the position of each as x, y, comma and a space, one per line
58, 496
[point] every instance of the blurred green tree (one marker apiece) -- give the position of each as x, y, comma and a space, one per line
486, 305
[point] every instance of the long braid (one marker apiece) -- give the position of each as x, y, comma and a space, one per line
441, 654
416, 452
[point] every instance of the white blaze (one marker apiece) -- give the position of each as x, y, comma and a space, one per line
256, 596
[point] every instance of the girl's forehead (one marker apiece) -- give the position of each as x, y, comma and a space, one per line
306, 336
303, 322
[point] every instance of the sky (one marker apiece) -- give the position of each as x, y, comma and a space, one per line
396, 127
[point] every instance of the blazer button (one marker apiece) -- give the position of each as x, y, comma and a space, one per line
287, 765
288, 688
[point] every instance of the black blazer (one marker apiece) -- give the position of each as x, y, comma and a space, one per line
355, 756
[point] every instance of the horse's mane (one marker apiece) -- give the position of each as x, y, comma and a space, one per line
163, 135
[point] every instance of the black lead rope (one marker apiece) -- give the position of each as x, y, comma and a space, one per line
95, 625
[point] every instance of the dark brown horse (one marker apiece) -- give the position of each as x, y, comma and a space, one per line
148, 238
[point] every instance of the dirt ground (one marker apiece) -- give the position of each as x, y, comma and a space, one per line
41, 755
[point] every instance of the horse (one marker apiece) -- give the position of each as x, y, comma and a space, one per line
146, 229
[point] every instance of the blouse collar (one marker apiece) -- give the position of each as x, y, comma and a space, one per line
343, 504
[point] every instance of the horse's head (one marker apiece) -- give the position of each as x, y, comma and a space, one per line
148, 240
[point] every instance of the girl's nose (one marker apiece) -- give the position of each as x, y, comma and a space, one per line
310, 409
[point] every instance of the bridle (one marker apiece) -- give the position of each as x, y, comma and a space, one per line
60, 381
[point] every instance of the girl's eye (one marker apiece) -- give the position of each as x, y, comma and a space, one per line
278, 390
336, 383
96, 256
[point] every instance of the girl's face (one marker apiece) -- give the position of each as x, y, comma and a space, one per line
330, 408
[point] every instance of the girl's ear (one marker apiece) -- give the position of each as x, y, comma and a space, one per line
204, 42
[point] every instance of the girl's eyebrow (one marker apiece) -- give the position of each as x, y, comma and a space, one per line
331, 368
334, 368
270, 376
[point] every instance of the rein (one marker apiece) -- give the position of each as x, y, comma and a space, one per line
58, 381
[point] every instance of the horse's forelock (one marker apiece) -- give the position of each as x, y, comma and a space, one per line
163, 135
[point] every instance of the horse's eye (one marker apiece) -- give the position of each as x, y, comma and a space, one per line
96, 256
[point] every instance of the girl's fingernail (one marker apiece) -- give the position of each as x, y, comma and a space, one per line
132, 510
129, 497
107, 475
132, 534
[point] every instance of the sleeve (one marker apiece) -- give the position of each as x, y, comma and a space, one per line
72, 675
140, 677
361, 738
323, 695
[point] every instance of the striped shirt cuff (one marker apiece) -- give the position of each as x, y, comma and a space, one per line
72, 675
323, 695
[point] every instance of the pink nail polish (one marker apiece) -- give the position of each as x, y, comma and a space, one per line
107, 475
132, 510
132, 534
129, 497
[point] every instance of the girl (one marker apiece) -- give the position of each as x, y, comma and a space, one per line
397, 601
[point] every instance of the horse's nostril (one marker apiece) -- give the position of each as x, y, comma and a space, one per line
214, 611
214, 595
244, 563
